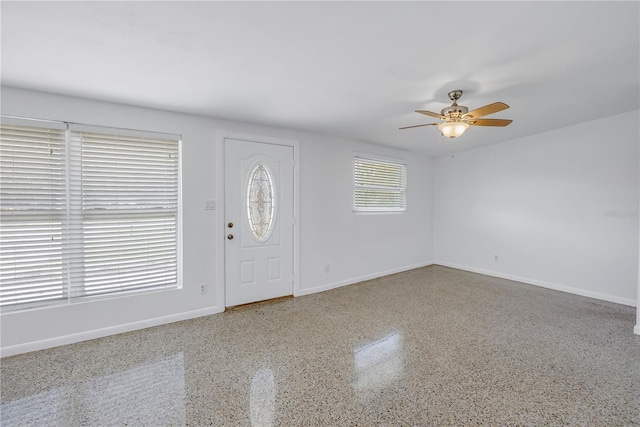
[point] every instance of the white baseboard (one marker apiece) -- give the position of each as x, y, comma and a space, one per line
548, 285
346, 282
103, 332
128, 327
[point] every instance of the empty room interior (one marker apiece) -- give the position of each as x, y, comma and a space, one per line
320, 213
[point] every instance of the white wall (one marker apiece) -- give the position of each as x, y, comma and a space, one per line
356, 246
541, 204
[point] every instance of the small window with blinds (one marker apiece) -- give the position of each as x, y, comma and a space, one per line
379, 185
86, 212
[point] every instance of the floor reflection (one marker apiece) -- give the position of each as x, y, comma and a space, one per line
50, 407
263, 398
151, 393
379, 363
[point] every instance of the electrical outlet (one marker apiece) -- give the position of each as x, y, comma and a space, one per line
327, 268
209, 205
203, 288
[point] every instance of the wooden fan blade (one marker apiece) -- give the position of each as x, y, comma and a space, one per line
489, 122
486, 110
430, 113
417, 126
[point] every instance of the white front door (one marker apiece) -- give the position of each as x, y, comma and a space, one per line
258, 221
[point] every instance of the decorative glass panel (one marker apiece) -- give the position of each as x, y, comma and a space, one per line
261, 202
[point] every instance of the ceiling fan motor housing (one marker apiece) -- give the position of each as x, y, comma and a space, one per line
454, 110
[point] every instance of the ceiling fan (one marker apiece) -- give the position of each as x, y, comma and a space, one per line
458, 118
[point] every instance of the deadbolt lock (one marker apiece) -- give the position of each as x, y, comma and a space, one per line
230, 225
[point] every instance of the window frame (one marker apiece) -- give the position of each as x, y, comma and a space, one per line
70, 288
401, 189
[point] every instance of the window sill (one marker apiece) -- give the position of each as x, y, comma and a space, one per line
357, 212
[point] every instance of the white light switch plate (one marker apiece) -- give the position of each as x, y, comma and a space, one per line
209, 205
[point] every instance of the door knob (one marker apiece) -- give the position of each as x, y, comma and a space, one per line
230, 236
230, 225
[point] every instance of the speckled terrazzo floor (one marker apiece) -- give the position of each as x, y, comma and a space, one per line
432, 346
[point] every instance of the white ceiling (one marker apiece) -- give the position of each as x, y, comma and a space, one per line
349, 69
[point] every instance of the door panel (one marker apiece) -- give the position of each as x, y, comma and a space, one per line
258, 221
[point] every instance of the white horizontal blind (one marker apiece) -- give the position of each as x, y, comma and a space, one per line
129, 213
86, 213
379, 185
32, 211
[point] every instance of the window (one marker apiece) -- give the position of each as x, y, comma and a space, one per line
32, 210
379, 185
85, 212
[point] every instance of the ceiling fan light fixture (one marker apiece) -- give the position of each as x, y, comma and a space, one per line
453, 129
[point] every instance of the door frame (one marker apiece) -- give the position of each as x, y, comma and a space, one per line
221, 136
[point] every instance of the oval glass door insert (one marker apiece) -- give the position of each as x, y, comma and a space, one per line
261, 202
